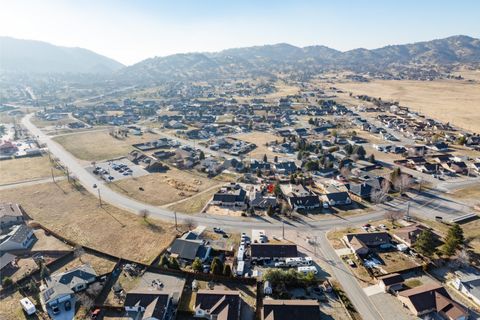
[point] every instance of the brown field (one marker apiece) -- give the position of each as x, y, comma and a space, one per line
15, 170
76, 216
99, 264
164, 188
11, 308
193, 204
452, 101
100, 145
260, 139
45, 123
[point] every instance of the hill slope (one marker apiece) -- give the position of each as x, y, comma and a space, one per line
40, 57
270, 59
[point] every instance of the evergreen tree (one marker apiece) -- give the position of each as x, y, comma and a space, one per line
197, 265
174, 263
275, 159
164, 261
270, 211
277, 190
227, 270
265, 159
425, 243
201, 155
217, 266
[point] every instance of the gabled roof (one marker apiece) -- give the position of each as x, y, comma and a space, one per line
222, 304
290, 310
154, 302
186, 249
73, 277
392, 278
10, 210
6, 259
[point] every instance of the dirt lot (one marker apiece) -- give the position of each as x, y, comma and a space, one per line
14, 170
45, 123
396, 261
48, 242
163, 188
11, 308
260, 139
100, 145
76, 216
224, 211
99, 264
446, 100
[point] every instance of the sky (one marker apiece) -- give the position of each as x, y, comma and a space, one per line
130, 31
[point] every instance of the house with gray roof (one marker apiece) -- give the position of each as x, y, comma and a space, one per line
17, 237
10, 214
467, 281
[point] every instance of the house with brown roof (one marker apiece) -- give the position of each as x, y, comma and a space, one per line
391, 282
218, 305
408, 235
149, 304
361, 243
432, 298
290, 309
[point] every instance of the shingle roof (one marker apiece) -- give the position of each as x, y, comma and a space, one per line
224, 305
186, 249
290, 309
154, 302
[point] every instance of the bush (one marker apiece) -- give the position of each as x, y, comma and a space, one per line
7, 281
197, 265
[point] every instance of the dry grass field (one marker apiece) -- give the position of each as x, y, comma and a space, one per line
45, 123
452, 101
77, 216
22, 169
260, 139
99, 145
194, 204
11, 308
163, 188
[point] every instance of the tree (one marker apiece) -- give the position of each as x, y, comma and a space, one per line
144, 213
311, 165
275, 159
197, 265
348, 149
227, 270
44, 271
164, 261
201, 155
270, 211
392, 216
380, 195
7, 281
402, 182
190, 223
359, 151
299, 155
371, 158
425, 243
277, 190
174, 263
217, 266
265, 159
453, 240
78, 252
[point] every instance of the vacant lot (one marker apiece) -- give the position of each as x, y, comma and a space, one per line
100, 145
76, 216
194, 204
261, 139
446, 100
16, 170
45, 123
163, 188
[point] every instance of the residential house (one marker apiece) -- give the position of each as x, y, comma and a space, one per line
467, 281
267, 251
17, 237
290, 309
361, 243
299, 197
6, 260
149, 304
218, 305
10, 214
188, 250
231, 195
391, 282
363, 190
439, 146
408, 235
57, 294
432, 298
285, 167
259, 201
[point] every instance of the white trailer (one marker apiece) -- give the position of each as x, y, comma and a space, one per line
240, 268
307, 269
28, 306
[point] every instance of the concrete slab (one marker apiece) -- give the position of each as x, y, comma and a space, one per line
343, 252
372, 290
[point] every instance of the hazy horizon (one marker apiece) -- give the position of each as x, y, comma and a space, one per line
135, 31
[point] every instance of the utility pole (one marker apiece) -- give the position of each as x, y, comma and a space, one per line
408, 211
99, 198
175, 213
283, 229
53, 177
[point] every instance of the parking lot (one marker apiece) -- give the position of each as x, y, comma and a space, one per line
114, 170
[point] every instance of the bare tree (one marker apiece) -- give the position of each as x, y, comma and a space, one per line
190, 223
78, 252
392, 216
345, 172
380, 195
463, 257
403, 182
144, 213
86, 301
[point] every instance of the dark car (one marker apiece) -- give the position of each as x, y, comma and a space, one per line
68, 305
